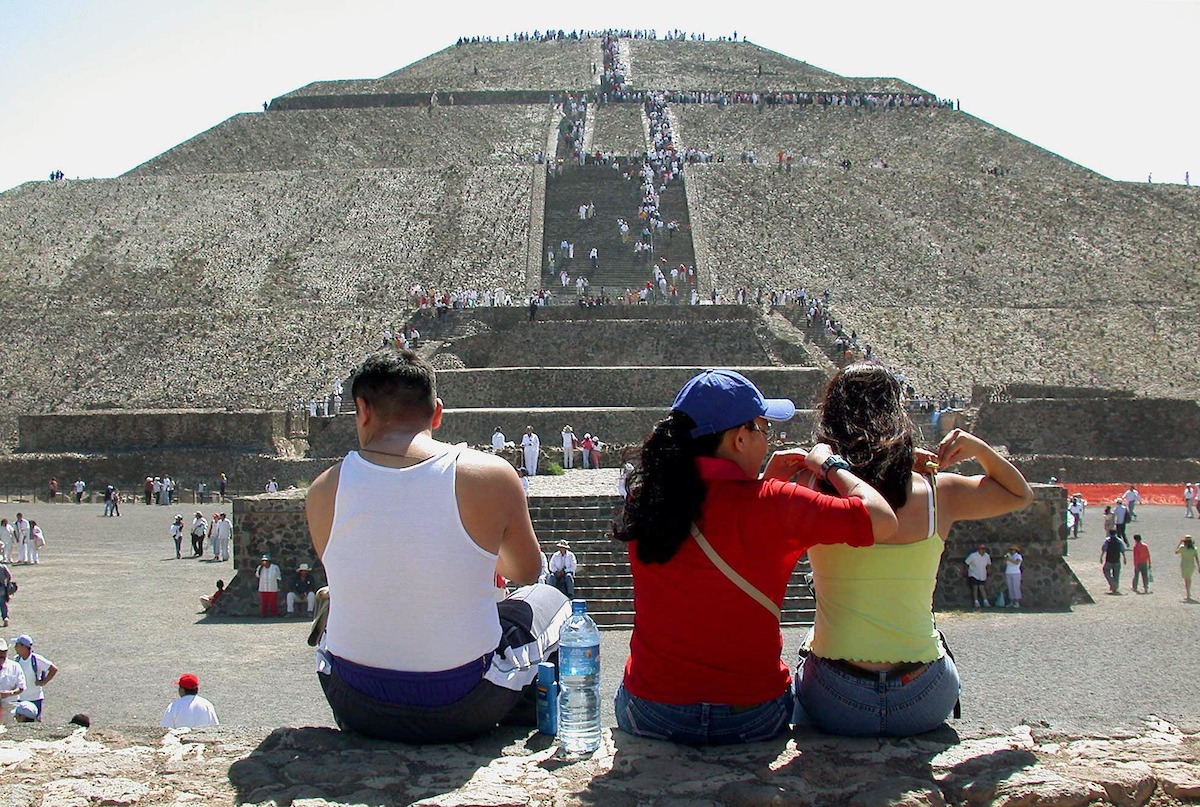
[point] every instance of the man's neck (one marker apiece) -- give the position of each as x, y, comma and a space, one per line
399, 445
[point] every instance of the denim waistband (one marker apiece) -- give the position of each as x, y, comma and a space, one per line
439, 688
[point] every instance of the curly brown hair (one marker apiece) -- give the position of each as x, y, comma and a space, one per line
862, 417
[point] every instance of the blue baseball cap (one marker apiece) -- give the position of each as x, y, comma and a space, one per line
721, 399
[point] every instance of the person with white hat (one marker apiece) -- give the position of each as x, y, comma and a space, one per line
269, 577
25, 712
562, 569
189, 710
38, 671
12, 682
569, 442
304, 586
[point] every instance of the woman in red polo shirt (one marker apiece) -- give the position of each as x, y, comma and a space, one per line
704, 663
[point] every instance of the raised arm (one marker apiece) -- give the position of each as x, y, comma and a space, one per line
806, 466
1000, 489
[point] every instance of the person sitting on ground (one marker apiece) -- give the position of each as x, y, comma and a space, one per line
699, 517
211, 600
563, 566
304, 586
189, 709
876, 665
445, 662
25, 712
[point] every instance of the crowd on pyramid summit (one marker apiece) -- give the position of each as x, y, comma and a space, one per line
615, 33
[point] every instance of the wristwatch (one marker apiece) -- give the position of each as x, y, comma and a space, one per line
832, 463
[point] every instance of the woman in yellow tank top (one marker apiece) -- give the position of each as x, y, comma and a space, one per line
876, 665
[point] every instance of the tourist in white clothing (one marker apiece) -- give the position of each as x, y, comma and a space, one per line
189, 710
531, 446
568, 447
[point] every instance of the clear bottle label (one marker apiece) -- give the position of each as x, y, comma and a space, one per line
579, 660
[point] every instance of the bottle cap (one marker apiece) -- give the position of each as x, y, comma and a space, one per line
578, 607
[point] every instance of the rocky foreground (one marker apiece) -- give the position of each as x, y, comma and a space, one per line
48, 767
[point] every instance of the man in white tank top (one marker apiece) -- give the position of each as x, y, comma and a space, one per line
426, 526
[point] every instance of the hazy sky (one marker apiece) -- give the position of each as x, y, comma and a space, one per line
96, 88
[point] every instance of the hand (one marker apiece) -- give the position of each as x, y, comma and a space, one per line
785, 464
924, 462
816, 457
957, 446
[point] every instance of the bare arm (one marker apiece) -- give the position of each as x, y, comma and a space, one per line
1001, 489
318, 507
495, 513
883, 520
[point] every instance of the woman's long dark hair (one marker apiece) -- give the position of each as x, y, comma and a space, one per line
665, 489
863, 418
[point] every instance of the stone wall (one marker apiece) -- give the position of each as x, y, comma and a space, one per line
1041, 533
713, 344
1082, 469
275, 525
1164, 429
605, 386
333, 437
985, 393
267, 525
25, 474
116, 431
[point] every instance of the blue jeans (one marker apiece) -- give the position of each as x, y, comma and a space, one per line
1112, 573
841, 702
565, 584
702, 723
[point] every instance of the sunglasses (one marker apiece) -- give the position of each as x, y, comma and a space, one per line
754, 427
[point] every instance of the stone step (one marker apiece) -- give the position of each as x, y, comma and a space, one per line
655, 387
617, 425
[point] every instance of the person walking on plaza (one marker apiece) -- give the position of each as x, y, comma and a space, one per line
177, 535
1112, 552
189, 710
21, 529
79, 487
1141, 564
269, 577
5, 581
1189, 500
8, 541
1121, 519
222, 532
38, 670
37, 540
199, 532
1188, 564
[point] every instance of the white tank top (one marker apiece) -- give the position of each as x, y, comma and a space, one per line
409, 590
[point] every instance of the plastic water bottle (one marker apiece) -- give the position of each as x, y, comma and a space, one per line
579, 682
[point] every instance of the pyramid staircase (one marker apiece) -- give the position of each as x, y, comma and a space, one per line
614, 196
603, 578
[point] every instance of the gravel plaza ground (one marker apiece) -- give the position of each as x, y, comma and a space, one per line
120, 616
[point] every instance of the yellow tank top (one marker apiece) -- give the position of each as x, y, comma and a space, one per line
875, 603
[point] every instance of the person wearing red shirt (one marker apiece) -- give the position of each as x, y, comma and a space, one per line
1141, 564
705, 662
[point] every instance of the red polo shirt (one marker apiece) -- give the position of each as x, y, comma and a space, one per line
697, 637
